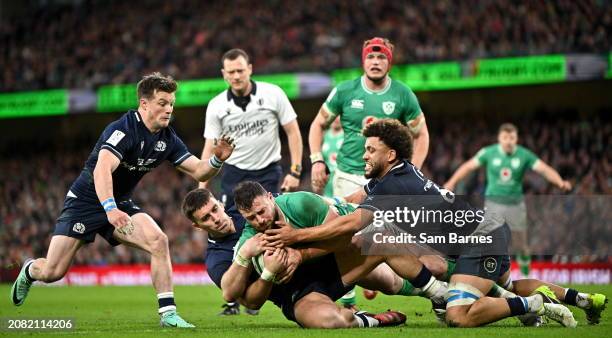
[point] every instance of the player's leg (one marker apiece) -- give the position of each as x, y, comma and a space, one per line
593, 304
316, 310
147, 235
50, 269
468, 307
354, 267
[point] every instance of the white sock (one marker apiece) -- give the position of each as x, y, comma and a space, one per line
435, 288
364, 320
166, 302
534, 303
582, 300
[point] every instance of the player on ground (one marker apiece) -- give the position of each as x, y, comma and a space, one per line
388, 146
224, 229
506, 163
250, 112
310, 294
99, 201
357, 102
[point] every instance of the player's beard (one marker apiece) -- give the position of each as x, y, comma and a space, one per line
376, 169
377, 80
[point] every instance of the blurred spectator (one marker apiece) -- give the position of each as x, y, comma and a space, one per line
87, 43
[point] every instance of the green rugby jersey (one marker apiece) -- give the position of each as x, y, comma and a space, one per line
505, 172
329, 149
301, 210
357, 106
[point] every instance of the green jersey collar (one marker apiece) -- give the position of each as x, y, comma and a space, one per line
378, 92
502, 152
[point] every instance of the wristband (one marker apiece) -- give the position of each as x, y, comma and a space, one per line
242, 261
215, 162
296, 175
316, 157
267, 275
109, 204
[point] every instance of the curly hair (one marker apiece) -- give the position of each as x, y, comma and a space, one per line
393, 134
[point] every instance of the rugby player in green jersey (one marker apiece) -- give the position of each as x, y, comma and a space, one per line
506, 163
359, 102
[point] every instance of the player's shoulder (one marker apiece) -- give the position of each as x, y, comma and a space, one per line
126, 123
349, 85
219, 100
400, 87
524, 151
267, 88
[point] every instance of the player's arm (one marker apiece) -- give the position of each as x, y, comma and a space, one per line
551, 175
258, 292
206, 154
235, 280
465, 169
420, 134
322, 121
357, 197
204, 169
294, 136
340, 226
103, 183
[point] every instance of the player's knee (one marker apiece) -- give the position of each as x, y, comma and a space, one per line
457, 317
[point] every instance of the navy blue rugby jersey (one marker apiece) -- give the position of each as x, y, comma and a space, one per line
228, 242
139, 151
420, 201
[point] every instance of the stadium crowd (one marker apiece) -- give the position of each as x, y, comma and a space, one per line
116, 42
31, 195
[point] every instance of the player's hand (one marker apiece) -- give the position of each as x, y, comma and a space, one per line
275, 261
449, 186
319, 176
223, 147
282, 236
294, 259
121, 221
565, 185
253, 246
290, 183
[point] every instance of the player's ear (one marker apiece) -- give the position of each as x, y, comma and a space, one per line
195, 226
391, 156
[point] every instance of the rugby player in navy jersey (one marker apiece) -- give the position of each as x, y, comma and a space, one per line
99, 201
224, 229
397, 183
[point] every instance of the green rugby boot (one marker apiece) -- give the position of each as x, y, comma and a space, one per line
598, 304
22, 285
172, 319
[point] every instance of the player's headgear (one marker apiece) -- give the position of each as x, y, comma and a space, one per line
379, 45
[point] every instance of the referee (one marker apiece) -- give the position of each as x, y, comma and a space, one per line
250, 112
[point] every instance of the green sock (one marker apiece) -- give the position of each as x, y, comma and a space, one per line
450, 269
408, 289
499, 292
349, 299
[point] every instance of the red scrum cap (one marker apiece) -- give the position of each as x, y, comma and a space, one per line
379, 45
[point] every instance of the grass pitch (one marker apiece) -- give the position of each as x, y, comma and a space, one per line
132, 311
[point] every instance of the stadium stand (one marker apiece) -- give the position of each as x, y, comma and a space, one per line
84, 44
